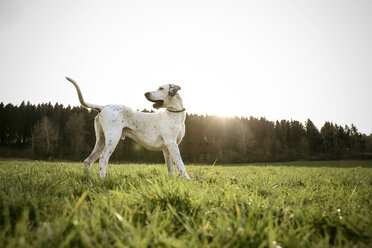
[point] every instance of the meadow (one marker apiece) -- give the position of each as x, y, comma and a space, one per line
297, 204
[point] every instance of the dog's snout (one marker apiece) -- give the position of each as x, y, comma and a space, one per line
147, 94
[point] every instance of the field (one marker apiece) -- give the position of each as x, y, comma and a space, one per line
300, 204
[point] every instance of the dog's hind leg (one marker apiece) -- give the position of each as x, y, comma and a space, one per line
112, 138
98, 148
169, 162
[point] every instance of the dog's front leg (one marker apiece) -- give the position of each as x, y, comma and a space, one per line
169, 162
175, 156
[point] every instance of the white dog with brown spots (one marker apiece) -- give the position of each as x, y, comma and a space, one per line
156, 131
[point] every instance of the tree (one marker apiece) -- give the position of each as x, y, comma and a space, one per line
74, 133
333, 140
44, 139
313, 136
358, 144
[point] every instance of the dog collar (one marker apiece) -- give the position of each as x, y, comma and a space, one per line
176, 111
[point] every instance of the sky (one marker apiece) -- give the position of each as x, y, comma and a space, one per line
286, 59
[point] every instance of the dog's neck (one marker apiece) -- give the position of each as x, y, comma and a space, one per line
176, 107
176, 104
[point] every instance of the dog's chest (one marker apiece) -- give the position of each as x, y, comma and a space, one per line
181, 134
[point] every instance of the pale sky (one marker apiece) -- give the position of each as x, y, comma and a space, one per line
276, 59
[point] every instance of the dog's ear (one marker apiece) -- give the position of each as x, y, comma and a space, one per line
173, 89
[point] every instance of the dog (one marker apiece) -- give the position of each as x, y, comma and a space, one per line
160, 131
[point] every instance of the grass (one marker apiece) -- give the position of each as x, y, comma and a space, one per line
301, 204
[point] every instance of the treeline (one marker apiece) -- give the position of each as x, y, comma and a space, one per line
55, 132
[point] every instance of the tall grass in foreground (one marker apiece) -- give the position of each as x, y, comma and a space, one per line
55, 204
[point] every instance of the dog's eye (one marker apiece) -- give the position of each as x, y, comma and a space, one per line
161, 88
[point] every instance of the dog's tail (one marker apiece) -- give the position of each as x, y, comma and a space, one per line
81, 99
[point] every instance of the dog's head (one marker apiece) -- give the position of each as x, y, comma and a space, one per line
163, 96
